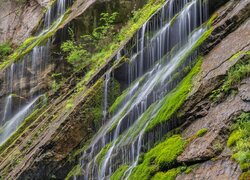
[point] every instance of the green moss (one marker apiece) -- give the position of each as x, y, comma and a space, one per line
69, 104
161, 157
245, 176
102, 153
201, 132
118, 102
169, 175
239, 54
26, 123
76, 171
139, 17
118, 174
234, 137
173, 101
235, 74
239, 141
31, 42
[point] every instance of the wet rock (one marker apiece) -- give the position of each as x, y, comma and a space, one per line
19, 19
223, 169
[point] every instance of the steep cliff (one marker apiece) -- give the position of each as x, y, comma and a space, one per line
165, 95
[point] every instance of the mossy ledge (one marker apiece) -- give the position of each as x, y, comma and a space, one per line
173, 101
160, 158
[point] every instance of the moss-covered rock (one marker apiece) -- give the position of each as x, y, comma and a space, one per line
118, 174
159, 158
239, 141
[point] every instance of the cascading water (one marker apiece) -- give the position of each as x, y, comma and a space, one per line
22, 78
163, 46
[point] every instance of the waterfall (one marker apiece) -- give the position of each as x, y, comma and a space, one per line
23, 78
16, 120
163, 47
105, 106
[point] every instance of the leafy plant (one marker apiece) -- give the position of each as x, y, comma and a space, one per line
5, 50
78, 52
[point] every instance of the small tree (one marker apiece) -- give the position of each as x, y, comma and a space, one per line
78, 52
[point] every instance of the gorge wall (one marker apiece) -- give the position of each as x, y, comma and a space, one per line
92, 126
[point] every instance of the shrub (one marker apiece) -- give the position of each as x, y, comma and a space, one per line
5, 50
78, 52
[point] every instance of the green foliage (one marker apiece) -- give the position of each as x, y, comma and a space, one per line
78, 52
159, 158
5, 50
31, 42
239, 141
102, 153
173, 101
245, 176
106, 29
139, 17
169, 175
118, 174
235, 74
27, 122
69, 104
77, 55
76, 171
201, 132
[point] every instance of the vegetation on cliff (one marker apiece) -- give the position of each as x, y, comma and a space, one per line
238, 141
159, 158
235, 75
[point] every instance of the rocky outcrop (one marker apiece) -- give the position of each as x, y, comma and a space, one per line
19, 19
209, 150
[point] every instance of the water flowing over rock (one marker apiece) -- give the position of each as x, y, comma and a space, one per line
167, 79
25, 78
163, 46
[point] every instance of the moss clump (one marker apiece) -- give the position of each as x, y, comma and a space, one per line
169, 175
201, 132
173, 101
160, 158
118, 174
239, 141
102, 153
76, 171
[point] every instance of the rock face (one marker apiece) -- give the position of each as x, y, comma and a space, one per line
65, 130
223, 169
18, 19
217, 117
